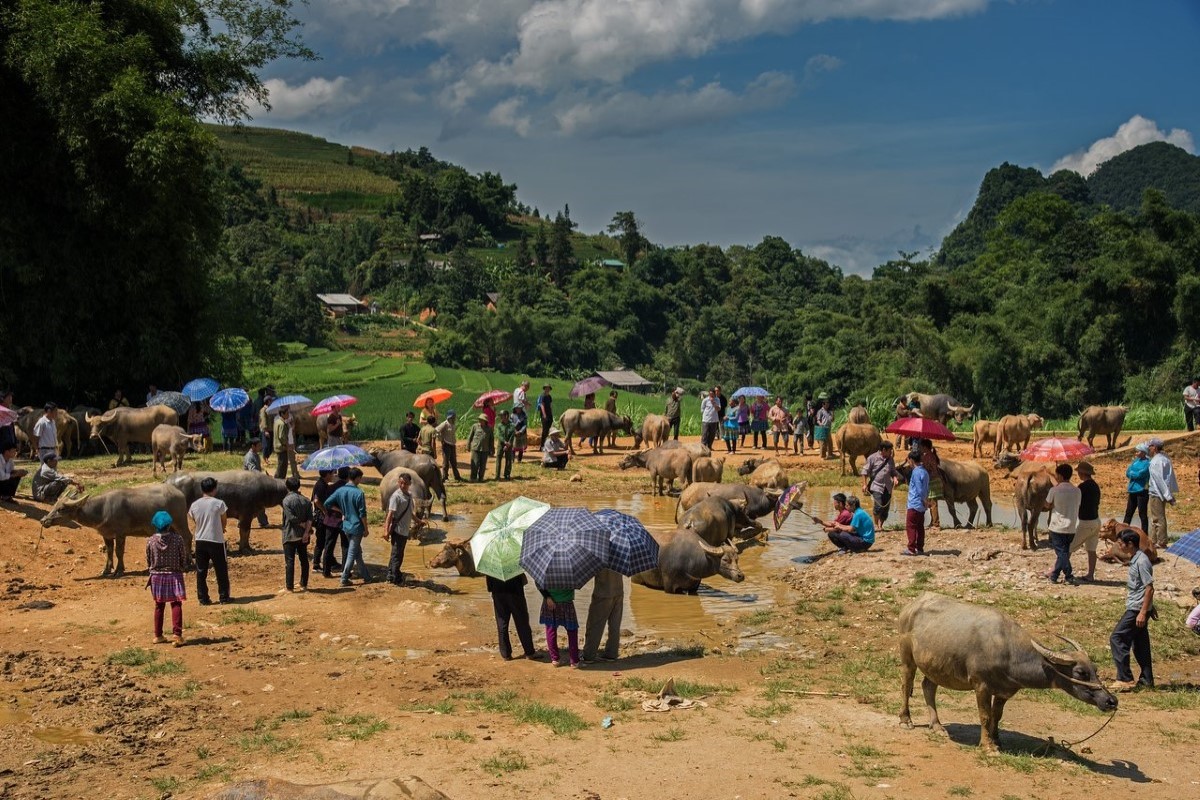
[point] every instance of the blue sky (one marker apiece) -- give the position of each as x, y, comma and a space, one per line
852, 128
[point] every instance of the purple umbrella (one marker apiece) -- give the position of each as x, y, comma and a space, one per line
588, 386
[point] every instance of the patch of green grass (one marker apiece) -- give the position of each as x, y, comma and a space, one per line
922, 579
826, 611
457, 735
960, 791
683, 688
869, 762
185, 692
167, 783
358, 727
813, 780
837, 791
769, 711
168, 666
236, 616
505, 761
686, 651
613, 703
266, 740
294, 714
203, 752
210, 771
132, 657
761, 617
1171, 698
559, 720
445, 706
671, 734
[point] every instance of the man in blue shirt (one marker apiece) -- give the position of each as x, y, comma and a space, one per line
351, 501
859, 534
918, 502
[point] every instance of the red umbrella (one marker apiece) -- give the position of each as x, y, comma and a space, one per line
495, 395
1056, 450
920, 428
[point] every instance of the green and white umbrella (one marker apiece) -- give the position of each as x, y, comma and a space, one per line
496, 546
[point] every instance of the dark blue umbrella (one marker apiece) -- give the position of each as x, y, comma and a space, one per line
1187, 547
228, 400
200, 389
175, 401
565, 548
751, 391
291, 402
632, 548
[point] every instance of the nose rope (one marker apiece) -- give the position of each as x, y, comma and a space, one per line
1096, 684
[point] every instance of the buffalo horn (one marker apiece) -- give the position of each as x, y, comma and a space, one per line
1061, 659
708, 548
1073, 643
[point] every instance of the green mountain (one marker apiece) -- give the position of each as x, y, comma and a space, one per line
1121, 181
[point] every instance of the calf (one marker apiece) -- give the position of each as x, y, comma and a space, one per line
173, 441
1109, 532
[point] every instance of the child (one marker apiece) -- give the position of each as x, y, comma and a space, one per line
558, 608
166, 557
799, 430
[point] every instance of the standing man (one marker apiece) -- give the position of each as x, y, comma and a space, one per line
824, 423
674, 411
508, 603
1163, 488
479, 444
521, 397
545, 406
447, 436
722, 401
777, 415
209, 515
252, 462
1191, 403
1087, 530
397, 525
880, 476
610, 405
410, 432
297, 530
352, 503
45, 432
918, 502
335, 429
428, 436
264, 426
1063, 505
285, 444
1132, 631
505, 437
710, 417
605, 610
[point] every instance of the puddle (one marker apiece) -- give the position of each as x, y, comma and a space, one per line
76, 736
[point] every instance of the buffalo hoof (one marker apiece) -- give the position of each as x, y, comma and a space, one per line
119, 573
906, 724
938, 729
245, 551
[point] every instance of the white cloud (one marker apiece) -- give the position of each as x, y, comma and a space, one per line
315, 96
1137, 131
819, 63
506, 114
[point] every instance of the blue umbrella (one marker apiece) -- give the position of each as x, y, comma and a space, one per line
200, 389
565, 548
338, 456
1187, 547
228, 400
175, 401
633, 549
291, 401
751, 391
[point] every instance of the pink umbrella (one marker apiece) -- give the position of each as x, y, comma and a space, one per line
588, 386
920, 428
8, 416
1056, 450
495, 395
338, 401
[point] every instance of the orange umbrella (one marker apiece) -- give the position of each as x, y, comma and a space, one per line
436, 395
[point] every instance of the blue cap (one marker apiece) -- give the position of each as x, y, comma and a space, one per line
451, 414
161, 520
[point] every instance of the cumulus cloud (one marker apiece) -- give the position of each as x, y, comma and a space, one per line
314, 96
820, 63
1137, 131
506, 114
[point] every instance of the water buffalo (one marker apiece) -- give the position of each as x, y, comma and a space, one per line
759, 502
172, 441
247, 494
708, 470
88, 445
983, 432
963, 482
859, 415
695, 448
65, 425
1029, 492
1108, 533
765, 473
940, 407
308, 425
853, 440
420, 494
130, 425
655, 430
423, 465
716, 520
1102, 420
971, 648
1015, 430
456, 554
665, 464
118, 513
594, 422
684, 559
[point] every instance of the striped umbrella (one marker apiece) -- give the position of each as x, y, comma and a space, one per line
633, 549
336, 457
1056, 450
200, 389
291, 401
565, 548
228, 400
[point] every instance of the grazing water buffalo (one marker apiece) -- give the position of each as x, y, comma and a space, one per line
1015, 430
130, 425
656, 429
717, 520
971, 648
173, 441
759, 502
708, 470
308, 425
983, 432
684, 559
665, 464
853, 440
423, 465
418, 490
456, 554
247, 494
592, 422
940, 407
1102, 420
119, 513
1030, 493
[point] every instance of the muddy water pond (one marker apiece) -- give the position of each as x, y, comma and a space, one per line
650, 612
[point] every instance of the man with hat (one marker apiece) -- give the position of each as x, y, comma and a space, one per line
673, 410
880, 476
480, 445
1087, 529
45, 432
545, 407
1163, 487
48, 482
554, 451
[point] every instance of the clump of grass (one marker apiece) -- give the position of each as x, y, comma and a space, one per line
761, 617
505, 761
458, 735
769, 711
960, 791
686, 651
132, 657
357, 727
294, 714
558, 720
168, 666
671, 734
185, 692
869, 762
167, 783
922, 579
266, 740
613, 703
445, 706
210, 771
236, 616
683, 688
1172, 699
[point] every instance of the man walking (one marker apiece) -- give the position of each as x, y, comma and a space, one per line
427, 438
297, 530
1191, 403
1087, 531
1132, 631
505, 438
1063, 505
264, 426
918, 502
604, 612
521, 397
1163, 488
674, 411
447, 437
879, 478
209, 515
45, 432
710, 417
285, 444
397, 525
479, 445
545, 407
352, 504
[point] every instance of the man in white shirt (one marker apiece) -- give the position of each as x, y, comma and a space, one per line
396, 526
1162, 489
10, 477
209, 516
710, 417
1191, 403
45, 432
1063, 504
521, 397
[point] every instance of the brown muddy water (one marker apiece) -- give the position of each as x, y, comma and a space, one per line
652, 613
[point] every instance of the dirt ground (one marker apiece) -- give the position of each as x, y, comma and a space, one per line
800, 700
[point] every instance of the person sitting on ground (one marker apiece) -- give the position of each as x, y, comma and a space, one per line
118, 400
857, 535
554, 450
10, 476
1193, 619
49, 483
